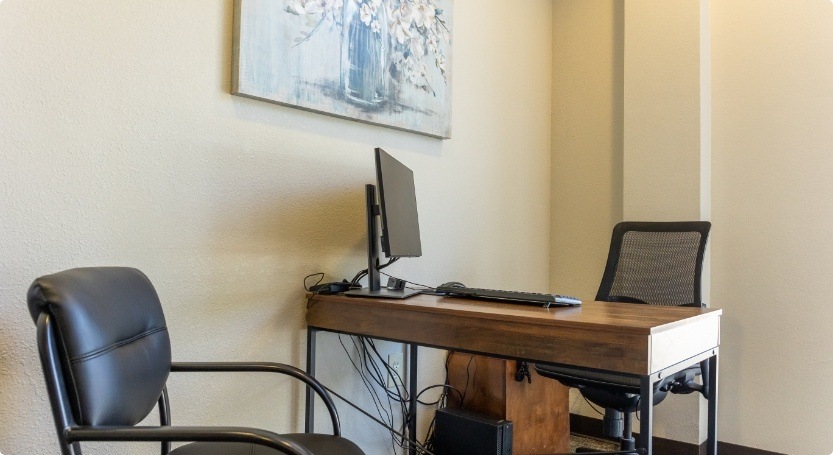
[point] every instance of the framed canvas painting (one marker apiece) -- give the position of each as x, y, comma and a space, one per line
386, 62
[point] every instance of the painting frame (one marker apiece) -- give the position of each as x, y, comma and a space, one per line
381, 62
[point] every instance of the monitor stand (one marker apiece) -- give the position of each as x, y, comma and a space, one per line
374, 288
382, 293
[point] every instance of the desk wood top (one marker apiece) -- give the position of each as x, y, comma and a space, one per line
604, 335
627, 317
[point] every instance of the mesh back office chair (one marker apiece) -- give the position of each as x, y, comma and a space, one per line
106, 356
655, 263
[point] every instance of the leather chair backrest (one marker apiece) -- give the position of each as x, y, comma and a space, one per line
114, 345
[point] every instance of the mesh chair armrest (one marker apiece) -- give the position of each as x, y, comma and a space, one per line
187, 434
693, 305
576, 376
268, 367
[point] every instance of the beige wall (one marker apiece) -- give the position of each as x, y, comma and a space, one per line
121, 145
587, 140
662, 110
772, 254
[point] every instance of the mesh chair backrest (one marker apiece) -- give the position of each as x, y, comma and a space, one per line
114, 345
659, 263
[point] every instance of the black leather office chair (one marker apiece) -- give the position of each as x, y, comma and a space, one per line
106, 356
658, 263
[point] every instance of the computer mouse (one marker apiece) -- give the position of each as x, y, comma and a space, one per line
452, 284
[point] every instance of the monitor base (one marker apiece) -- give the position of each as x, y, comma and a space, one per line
383, 293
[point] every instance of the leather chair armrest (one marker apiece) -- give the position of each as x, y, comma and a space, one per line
268, 367
187, 434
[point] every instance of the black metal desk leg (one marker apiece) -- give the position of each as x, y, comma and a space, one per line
310, 402
646, 414
711, 439
412, 386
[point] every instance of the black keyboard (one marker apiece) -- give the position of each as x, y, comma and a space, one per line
517, 297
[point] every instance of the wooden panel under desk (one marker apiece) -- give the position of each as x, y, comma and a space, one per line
603, 335
539, 409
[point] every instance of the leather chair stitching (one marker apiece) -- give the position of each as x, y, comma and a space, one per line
116, 345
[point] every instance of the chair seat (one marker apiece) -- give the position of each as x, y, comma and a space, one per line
615, 390
575, 377
317, 443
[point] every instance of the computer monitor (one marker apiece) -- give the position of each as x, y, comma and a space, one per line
397, 208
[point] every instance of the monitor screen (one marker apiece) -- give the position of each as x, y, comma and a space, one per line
398, 207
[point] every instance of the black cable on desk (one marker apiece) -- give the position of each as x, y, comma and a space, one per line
364, 272
320, 276
424, 286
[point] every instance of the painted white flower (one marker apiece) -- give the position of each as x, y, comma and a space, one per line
376, 27
400, 24
405, 11
366, 13
313, 7
424, 14
296, 7
401, 31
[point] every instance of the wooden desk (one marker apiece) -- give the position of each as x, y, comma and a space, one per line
648, 342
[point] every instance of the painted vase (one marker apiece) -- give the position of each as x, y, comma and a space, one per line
364, 53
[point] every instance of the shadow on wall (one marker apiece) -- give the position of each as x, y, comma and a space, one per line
246, 302
276, 246
266, 248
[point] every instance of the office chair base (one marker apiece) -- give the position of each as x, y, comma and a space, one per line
627, 444
613, 422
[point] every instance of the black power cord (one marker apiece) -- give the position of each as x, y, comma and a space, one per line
374, 377
386, 414
423, 286
320, 276
364, 272
374, 371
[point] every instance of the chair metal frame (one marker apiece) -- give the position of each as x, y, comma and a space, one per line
70, 434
